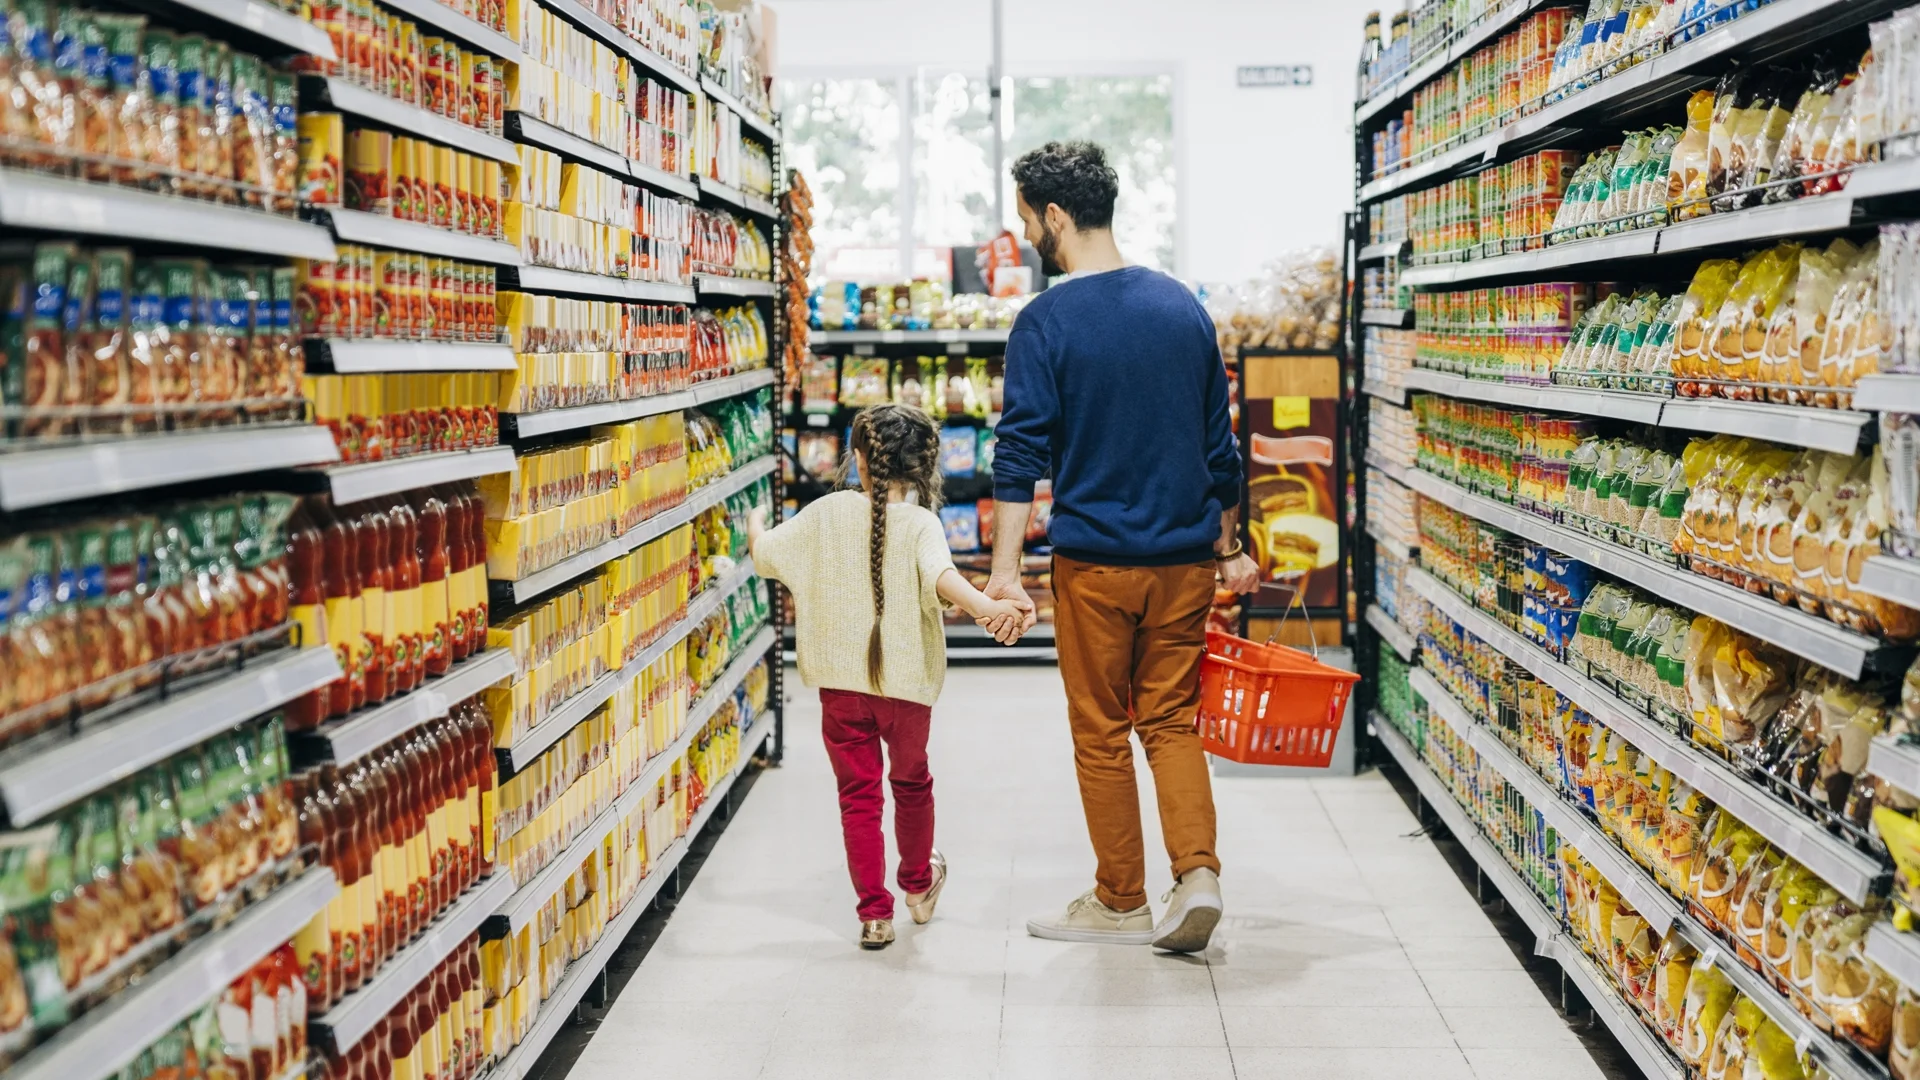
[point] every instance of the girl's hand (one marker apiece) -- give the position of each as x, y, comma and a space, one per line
1001, 618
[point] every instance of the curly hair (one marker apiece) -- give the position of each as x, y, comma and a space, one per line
1073, 175
902, 446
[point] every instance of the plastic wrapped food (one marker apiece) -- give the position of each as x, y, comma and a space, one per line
1854, 992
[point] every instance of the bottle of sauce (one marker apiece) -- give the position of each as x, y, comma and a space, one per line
373, 599
307, 596
312, 943
439, 845
403, 1042
483, 735
419, 847
404, 546
437, 619
388, 857
343, 634
357, 678
459, 582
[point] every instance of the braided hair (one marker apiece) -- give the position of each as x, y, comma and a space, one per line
901, 446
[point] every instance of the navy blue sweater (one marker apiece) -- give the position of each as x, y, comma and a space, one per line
1114, 383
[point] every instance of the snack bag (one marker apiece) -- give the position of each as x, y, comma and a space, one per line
1687, 173
1707, 1001
1693, 326
1903, 1051
1854, 992
1673, 970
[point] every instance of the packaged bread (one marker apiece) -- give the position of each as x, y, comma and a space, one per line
1727, 858
1633, 950
1855, 993
1687, 169
1728, 1059
1672, 969
1693, 325
1751, 894
1680, 836
1805, 941
1903, 1050
1844, 755
1794, 150
1707, 1001
1796, 892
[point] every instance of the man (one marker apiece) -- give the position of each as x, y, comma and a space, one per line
1115, 386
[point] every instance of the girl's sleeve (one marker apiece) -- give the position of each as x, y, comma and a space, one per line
778, 553
932, 556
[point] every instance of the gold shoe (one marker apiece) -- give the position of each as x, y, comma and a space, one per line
921, 904
876, 933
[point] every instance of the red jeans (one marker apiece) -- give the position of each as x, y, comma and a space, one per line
854, 725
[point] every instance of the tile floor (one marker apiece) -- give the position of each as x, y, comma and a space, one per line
1350, 950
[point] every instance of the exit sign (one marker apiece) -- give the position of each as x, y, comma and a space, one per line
1276, 75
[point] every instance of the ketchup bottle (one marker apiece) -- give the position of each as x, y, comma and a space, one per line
477, 541
336, 587
312, 943
403, 543
307, 597
459, 562
437, 620
373, 600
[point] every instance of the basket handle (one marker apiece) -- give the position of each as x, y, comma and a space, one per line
1297, 601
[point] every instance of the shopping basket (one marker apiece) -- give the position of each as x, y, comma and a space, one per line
1270, 704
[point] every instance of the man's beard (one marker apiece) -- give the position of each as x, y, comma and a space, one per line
1048, 247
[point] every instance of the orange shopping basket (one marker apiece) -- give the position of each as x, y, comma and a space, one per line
1269, 704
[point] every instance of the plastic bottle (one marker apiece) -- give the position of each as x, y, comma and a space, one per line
437, 620
403, 541
308, 599
373, 601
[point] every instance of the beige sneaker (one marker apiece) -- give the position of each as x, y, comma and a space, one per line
920, 905
876, 933
1193, 910
1087, 919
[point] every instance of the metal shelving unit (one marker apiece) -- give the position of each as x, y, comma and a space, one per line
352, 483
339, 93
56, 204
354, 737
33, 478
360, 227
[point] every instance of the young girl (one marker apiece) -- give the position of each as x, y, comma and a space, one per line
869, 572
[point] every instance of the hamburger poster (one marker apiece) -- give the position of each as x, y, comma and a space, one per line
1292, 515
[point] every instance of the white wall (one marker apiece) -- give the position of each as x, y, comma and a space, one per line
1262, 171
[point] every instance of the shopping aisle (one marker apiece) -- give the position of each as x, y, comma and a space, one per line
1351, 950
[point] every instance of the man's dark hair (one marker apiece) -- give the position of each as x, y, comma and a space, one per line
1073, 175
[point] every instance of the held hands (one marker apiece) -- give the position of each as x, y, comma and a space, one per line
1010, 612
1239, 573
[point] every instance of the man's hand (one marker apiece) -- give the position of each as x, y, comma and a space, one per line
1239, 573
1003, 620
1009, 589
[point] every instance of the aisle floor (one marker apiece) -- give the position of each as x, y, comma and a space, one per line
1350, 951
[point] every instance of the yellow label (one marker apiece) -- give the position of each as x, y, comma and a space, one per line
393, 870
343, 630
489, 801
436, 617
311, 618
428, 1051
373, 603
1292, 412
315, 938
408, 1068
420, 857
443, 1031
437, 828
369, 905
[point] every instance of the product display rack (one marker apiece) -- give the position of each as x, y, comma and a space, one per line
1650, 90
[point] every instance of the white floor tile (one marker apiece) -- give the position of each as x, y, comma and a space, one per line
1350, 950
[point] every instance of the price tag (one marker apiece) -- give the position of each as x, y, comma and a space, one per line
893, 337
1710, 958
946, 335
863, 350
1802, 1044
818, 419
957, 348
255, 17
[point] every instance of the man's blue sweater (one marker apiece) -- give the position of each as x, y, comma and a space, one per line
1114, 383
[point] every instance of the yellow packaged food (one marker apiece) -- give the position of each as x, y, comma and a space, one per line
1903, 1052
1709, 997
1853, 991
1673, 969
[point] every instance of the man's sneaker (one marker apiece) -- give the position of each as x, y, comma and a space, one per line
1087, 919
876, 933
1193, 910
920, 905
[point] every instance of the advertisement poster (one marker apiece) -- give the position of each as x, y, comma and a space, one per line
1293, 517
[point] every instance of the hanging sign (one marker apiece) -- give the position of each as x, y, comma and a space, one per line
1274, 75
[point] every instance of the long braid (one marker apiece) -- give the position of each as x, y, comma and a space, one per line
901, 446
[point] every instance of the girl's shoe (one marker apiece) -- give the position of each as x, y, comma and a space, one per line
876, 933
921, 904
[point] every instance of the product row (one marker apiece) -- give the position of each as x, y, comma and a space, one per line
373, 293
377, 172
946, 386
382, 51
923, 304
384, 417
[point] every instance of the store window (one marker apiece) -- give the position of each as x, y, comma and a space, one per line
845, 136
1132, 116
891, 199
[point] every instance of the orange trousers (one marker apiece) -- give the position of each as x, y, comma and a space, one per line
1130, 639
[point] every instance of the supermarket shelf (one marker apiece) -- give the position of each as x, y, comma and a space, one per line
1386, 252
1898, 763
353, 738
749, 119
1521, 899
1484, 148
468, 30
574, 12
1470, 39
1395, 394
344, 1025
713, 494
577, 708
107, 1039
1817, 213
1852, 872
268, 22
352, 483
736, 198
1400, 549
721, 285
1621, 405
1003, 652
1898, 952
1824, 1049
1442, 704
520, 908
379, 230
971, 632
1396, 636
381, 109
1379, 461
660, 178
1395, 317
1892, 578
1637, 244
732, 385
35, 786
31, 478
56, 204
526, 425
1888, 393
1835, 430
598, 286
371, 356
913, 337
1790, 628
557, 1011
1653, 1058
